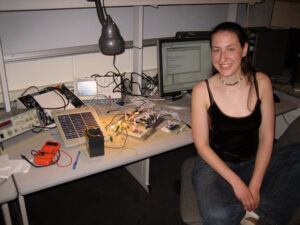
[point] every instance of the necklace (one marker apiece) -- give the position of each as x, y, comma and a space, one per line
229, 84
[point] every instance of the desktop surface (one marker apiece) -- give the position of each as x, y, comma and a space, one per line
134, 150
287, 92
178, 103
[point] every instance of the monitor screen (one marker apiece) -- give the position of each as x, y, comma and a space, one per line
182, 63
84, 87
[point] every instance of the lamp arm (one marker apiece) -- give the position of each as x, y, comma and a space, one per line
104, 8
100, 13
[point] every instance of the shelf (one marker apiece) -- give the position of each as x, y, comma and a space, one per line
16, 5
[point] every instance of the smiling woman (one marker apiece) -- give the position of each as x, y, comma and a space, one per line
233, 130
227, 55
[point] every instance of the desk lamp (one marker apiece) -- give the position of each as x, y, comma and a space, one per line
111, 41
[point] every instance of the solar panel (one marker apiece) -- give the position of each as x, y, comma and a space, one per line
72, 124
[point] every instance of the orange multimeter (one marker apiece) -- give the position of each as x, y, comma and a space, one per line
47, 153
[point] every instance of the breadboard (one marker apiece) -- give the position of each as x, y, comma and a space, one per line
140, 132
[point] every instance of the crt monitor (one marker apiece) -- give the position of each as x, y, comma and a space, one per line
182, 63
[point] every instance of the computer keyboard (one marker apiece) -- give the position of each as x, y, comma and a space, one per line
72, 124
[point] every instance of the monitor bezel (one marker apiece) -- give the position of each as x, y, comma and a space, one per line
204, 37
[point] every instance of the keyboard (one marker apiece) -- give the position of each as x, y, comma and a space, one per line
73, 123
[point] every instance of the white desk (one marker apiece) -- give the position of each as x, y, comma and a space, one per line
8, 193
41, 178
135, 151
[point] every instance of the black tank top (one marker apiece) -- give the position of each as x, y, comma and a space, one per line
234, 139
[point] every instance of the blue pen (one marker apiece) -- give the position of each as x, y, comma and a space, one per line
76, 161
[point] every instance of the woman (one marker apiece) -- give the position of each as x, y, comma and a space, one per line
233, 130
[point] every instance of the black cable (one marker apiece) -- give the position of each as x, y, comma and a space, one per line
149, 80
285, 120
5, 179
107, 74
106, 85
41, 128
189, 126
118, 85
27, 89
125, 85
114, 64
36, 166
60, 107
60, 95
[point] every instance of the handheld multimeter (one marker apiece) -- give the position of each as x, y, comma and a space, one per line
47, 153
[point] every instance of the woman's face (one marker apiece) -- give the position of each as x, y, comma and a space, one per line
227, 53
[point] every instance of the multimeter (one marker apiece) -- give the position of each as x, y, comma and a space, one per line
47, 153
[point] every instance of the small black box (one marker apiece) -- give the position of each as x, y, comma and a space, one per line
94, 142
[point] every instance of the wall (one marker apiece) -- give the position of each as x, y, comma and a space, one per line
286, 14
39, 30
259, 15
51, 29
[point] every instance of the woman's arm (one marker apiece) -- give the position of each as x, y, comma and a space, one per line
200, 131
266, 135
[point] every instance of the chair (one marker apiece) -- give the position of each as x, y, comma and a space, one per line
188, 199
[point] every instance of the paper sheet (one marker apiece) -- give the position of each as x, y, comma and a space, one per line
53, 100
8, 167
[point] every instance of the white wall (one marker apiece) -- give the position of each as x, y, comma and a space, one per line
39, 30
50, 29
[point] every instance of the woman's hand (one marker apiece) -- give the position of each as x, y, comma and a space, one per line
255, 194
244, 194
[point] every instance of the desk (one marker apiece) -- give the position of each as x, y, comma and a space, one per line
8, 193
136, 152
284, 106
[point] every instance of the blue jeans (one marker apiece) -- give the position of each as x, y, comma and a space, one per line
279, 192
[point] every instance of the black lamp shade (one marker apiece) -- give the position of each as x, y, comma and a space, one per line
111, 41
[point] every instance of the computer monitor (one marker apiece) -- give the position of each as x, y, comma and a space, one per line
182, 63
270, 50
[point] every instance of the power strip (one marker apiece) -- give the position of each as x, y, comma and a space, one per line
107, 85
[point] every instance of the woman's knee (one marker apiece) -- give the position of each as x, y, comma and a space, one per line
228, 215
